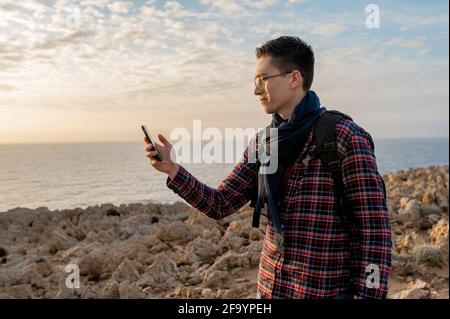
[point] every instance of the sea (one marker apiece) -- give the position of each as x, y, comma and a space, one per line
63, 176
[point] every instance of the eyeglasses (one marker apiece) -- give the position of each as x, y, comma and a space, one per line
259, 81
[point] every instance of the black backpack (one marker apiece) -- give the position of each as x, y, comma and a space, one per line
324, 137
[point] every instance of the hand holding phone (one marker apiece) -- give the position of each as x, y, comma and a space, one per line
147, 135
169, 165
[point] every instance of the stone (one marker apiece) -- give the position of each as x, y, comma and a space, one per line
38, 259
207, 293
100, 263
21, 292
418, 290
439, 233
232, 260
175, 251
129, 290
199, 250
427, 254
256, 234
214, 235
44, 268
126, 232
426, 210
70, 293
57, 240
160, 276
217, 279
411, 212
112, 213
111, 290
125, 271
176, 231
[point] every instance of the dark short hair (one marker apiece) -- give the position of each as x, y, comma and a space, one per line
290, 53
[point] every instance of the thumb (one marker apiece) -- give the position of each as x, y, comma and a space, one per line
164, 140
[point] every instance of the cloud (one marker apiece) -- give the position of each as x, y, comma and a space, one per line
10, 12
328, 29
406, 43
174, 9
28, 5
423, 18
228, 6
120, 6
11, 55
149, 11
296, 1
233, 6
158, 56
423, 52
34, 6
92, 11
262, 4
7, 88
73, 38
96, 3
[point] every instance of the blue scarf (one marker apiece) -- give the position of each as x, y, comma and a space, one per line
291, 138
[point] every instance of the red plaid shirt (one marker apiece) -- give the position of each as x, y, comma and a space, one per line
323, 252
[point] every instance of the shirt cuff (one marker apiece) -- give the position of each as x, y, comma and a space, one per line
180, 183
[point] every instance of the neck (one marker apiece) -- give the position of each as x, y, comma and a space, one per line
287, 110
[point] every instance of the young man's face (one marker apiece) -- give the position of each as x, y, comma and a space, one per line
275, 92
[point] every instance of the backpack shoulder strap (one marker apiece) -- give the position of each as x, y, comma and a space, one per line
324, 137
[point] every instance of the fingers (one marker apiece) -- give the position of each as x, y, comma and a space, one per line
149, 148
155, 163
146, 140
152, 154
164, 140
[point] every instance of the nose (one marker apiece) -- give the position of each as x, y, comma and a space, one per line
258, 91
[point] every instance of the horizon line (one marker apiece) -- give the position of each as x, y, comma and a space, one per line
135, 141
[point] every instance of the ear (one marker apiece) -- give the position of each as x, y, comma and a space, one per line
297, 79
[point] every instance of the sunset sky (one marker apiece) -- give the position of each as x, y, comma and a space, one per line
95, 70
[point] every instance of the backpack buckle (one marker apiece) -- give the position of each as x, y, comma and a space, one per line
330, 146
334, 166
306, 160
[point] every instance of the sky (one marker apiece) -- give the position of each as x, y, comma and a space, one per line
95, 70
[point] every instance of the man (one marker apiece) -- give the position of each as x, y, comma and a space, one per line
310, 249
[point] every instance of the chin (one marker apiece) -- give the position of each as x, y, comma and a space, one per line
267, 109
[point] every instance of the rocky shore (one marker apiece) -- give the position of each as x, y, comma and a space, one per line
174, 251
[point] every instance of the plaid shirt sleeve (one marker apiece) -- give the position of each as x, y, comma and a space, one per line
365, 197
232, 193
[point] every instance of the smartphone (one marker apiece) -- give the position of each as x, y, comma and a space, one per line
147, 135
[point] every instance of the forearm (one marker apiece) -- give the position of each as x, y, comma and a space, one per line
173, 171
232, 193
